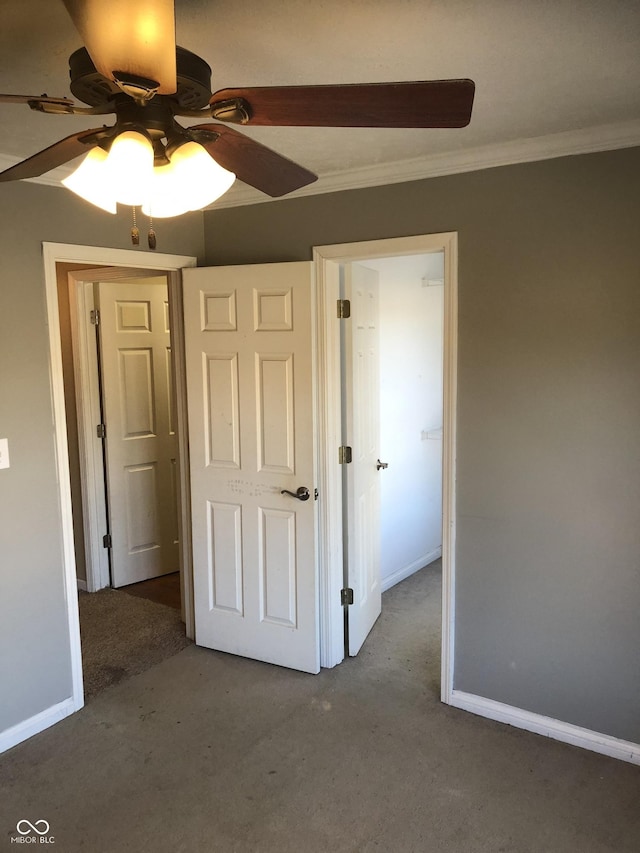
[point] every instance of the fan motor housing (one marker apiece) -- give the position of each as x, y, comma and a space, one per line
90, 87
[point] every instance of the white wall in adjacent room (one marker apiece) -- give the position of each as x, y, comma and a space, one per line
411, 329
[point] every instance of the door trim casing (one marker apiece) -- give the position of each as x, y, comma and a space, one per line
54, 253
328, 407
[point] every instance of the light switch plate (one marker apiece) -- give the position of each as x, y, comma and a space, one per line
4, 452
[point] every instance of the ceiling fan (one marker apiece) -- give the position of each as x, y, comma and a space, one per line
131, 67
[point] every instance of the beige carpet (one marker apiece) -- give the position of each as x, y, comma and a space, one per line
123, 635
210, 753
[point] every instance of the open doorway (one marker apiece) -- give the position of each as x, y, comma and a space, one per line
392, 366
328, 261
123, 633
123, 470
411, 364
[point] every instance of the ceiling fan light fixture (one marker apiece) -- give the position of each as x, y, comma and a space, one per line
190, 181
91, 181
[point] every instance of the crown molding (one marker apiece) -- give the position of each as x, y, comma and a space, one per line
608, 137
586, 141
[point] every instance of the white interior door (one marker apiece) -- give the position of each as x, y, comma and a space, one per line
362, 434
135, 352
251, 435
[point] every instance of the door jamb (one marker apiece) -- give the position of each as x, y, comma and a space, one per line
326, 261
54, 253
85, 369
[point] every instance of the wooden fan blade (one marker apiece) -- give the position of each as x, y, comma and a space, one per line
253, 163
434, 103
50, 158
27, 99
129, 38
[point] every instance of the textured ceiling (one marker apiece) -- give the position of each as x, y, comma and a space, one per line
541, 67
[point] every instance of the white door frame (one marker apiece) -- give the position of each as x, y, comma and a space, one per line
54, 253
327, 260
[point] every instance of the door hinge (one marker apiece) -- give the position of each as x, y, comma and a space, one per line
101, 431
344, 455
344, 309
346, 596
94, 316
106, 541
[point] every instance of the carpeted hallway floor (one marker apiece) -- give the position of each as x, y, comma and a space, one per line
122, 635
207, 752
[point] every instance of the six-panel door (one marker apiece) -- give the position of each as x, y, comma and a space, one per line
250, 408
141, 439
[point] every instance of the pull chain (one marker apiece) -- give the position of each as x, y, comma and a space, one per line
152, 234
135, 234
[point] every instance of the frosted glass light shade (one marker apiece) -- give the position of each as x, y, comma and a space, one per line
191, 181
130, 167
91, 181
165, 196
203, 179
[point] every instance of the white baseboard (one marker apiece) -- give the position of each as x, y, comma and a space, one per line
27, 728
547, 726
82, 585
412, 568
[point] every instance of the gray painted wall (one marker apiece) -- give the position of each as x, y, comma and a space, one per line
548, 554
549, 404
34, 643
